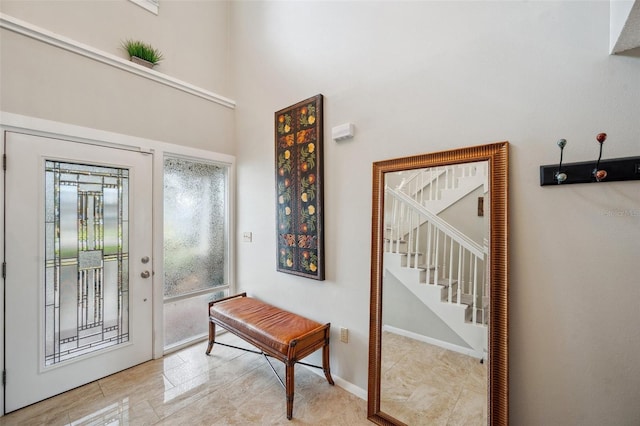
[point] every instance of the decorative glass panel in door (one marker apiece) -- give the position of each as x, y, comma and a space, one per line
87, 259
196, 253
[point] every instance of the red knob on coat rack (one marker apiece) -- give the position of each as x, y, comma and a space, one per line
597, 173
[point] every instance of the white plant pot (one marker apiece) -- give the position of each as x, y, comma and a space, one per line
142, 62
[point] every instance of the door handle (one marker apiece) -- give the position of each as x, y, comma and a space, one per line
145, 274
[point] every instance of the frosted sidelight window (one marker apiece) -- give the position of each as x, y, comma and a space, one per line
86, 259
195, 244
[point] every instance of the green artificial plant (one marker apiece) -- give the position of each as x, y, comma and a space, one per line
142, 50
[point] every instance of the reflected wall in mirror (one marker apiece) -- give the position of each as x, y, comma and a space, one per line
438, 325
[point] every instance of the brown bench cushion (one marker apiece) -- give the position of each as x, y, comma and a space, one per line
270, 325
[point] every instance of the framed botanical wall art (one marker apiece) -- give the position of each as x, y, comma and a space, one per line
299, 195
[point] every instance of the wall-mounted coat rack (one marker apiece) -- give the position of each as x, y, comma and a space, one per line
612, 170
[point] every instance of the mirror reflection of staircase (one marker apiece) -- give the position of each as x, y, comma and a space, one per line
433, 252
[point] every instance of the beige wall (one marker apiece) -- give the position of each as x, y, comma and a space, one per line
417, 77
43, 81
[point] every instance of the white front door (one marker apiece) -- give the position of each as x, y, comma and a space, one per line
78, 264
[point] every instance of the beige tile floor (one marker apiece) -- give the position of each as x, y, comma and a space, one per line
231, 387
424, 384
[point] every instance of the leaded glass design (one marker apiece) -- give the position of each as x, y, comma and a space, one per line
86, 259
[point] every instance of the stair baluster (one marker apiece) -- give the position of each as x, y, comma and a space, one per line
451, 270
460, 260
475, 291
437, 253
415, 263
428, 259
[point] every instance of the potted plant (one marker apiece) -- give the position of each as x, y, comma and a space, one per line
142, 53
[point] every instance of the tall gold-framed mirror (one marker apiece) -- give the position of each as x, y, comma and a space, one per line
438, 337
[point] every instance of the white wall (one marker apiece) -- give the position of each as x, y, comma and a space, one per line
43, 81
402, 310
417, 77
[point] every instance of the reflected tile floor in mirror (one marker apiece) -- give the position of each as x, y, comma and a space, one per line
230, 387
423, 384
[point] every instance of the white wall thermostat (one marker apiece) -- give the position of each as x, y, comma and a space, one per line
342, 132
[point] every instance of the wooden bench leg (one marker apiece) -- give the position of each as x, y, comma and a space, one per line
325, 363
212, 337
290, 387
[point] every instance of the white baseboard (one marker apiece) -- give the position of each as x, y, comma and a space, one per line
440, 343
348, 386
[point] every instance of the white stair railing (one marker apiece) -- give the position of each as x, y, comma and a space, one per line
448, 257
429, 184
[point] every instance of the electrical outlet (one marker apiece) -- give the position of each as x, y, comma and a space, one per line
247, 237
344, 335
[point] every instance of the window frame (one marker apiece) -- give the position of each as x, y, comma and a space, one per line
196, 155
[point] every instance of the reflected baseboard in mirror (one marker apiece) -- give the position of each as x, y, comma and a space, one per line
438, 327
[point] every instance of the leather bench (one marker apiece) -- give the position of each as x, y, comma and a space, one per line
277, 333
